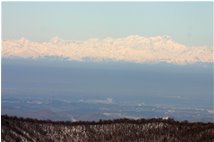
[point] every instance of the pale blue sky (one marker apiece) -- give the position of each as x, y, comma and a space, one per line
190, 23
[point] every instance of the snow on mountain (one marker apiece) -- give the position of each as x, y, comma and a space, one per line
137, 49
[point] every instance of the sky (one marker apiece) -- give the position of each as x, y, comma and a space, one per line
189, 23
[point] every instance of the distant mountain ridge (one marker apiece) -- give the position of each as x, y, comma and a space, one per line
14, 129
133, 48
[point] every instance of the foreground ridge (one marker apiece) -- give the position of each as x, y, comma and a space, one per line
14, 129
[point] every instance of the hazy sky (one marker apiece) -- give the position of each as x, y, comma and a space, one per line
189, 23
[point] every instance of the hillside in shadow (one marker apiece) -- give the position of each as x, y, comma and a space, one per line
14, 129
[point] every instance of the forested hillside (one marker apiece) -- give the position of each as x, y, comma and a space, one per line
15, 129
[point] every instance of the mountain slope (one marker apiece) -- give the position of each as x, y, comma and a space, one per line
121, 130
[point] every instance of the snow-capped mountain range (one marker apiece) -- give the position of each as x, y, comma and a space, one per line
134, 48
